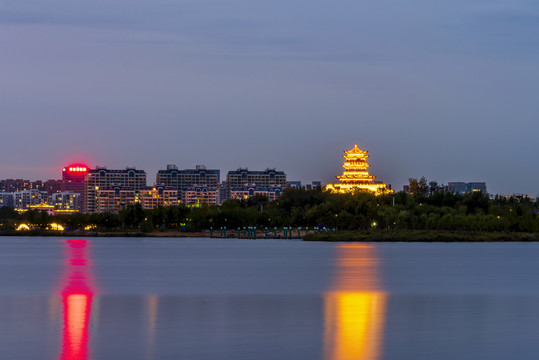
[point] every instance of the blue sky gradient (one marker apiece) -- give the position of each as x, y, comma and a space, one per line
446, 90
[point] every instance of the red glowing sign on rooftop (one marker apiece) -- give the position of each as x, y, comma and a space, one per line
76, 168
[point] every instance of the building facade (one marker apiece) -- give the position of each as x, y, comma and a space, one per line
462, 187
73, 178
22, 200
114, 198
105, 179
159, 195
7, 199
189, 180
66, 201
50, 186
197, 195
243, 178
14, 185
246, 192
298, 185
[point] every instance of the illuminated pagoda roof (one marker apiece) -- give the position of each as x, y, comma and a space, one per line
356, 175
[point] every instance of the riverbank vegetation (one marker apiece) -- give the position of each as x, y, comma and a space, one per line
426, 209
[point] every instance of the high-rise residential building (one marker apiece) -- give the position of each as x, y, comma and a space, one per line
26, 198
102, 178
65, 201
187, 179
14, 185
73, 178
6, 199
53, 186
50, 186
242, 178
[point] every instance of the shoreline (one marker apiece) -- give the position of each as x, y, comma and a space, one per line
423, 236
340, 236
163, 234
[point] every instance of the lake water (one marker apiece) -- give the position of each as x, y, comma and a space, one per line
116, 298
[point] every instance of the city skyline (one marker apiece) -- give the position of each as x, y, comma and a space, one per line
153, 181
436, 89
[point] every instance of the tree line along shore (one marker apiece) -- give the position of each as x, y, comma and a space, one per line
438, 215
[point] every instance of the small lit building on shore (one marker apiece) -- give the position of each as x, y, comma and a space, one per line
356, 177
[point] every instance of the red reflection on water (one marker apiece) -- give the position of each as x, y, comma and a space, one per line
77, 296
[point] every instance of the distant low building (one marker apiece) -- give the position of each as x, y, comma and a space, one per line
462, 187
299, 185
293, 184
44, 207
246, 192
313, 185
521, 196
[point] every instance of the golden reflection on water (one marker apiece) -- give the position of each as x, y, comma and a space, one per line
153, 308
355, 306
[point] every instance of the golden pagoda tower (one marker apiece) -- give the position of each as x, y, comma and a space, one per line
356, 175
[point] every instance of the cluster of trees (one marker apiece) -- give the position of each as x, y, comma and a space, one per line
428, 206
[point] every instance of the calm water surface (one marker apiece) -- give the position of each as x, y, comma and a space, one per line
115, 298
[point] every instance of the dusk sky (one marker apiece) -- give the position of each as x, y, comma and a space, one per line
442, 89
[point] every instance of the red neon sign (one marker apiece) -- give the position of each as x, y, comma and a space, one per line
76, 168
